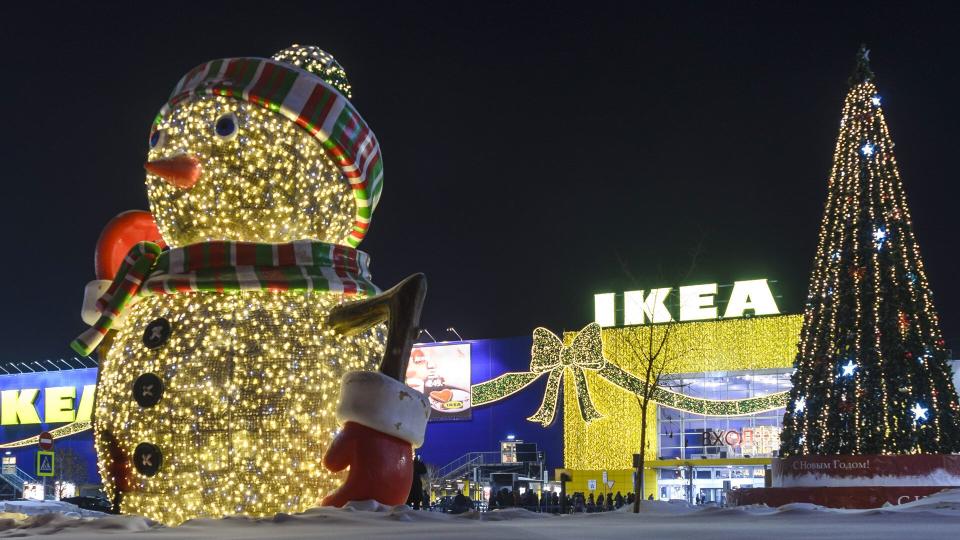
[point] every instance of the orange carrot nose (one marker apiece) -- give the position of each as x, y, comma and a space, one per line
181, 171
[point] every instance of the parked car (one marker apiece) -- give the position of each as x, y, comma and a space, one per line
442, 504
99, 504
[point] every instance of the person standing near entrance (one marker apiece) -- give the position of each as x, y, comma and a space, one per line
461, 503
416, 489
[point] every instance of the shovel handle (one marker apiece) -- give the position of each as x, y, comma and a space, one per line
400, 306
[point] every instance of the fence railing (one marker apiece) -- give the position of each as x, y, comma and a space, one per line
466, 462
470, 460
18, 478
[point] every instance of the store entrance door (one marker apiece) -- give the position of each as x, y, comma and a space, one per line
711, 495
707, 481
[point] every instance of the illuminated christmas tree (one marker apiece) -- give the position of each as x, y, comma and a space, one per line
871, 371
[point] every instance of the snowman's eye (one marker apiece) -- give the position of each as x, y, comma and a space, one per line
226, 126
156, 138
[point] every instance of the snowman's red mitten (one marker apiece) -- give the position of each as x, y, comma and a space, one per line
382, 421
121, 233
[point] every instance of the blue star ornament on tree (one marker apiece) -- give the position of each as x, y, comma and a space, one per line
919, 412
879, 235
849, 368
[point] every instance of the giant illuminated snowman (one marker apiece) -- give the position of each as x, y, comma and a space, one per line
220, 392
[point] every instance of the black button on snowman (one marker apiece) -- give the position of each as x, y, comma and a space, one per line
147, 459
157, 333
147, 390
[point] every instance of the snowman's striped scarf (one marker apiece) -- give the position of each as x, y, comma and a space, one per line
225, 267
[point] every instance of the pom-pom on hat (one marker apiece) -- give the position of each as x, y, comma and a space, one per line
320, 63
306, 85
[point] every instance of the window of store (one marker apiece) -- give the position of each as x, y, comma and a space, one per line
684, 435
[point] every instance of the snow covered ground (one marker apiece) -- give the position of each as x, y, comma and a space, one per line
31, 508
937, 516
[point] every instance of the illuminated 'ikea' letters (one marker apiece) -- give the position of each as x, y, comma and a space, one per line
85, 410
754, 294
638, 310
603, 307
58, 405
20, 406
16, 406
697, 303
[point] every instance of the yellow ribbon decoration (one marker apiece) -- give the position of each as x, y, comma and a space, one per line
62, 431
586, 351
549, 355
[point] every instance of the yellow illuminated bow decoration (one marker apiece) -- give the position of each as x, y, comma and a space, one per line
550, 355
586, 351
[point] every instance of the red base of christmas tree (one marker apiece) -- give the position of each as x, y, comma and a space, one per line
831, 497
854, 481
867, 471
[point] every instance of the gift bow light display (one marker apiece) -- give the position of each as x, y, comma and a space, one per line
549, 355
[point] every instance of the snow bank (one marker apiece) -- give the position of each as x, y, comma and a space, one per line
937, 516
32, 508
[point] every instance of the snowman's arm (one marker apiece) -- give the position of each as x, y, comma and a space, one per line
382, 419
340, 453
400, 307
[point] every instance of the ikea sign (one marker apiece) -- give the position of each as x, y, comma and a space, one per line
42, 398
61, 404
692, 303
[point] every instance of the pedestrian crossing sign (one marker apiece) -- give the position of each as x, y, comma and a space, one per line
44, 463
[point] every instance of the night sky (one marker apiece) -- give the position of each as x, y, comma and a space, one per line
534, 154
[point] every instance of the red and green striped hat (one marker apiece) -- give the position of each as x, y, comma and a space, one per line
310, 99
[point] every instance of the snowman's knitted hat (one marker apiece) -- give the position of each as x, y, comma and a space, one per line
306, 85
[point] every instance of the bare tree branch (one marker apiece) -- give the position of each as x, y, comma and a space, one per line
655, 353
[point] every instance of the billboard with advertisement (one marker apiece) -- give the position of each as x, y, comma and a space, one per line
442, 373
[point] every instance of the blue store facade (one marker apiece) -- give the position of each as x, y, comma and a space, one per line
59, 402
493, 423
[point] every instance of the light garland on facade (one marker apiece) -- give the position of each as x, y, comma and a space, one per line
716, 338
502, 387
57, 433
550, 355
609, 383
704, 346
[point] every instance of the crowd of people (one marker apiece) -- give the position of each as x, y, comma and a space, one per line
578, 503
551, 502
